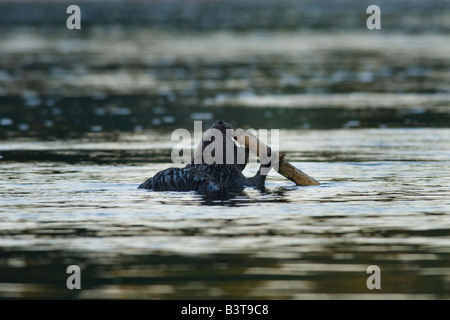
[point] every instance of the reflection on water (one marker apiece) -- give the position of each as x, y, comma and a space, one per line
109, 77
86, 116
389, 208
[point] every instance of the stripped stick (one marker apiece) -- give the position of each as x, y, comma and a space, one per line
284, 168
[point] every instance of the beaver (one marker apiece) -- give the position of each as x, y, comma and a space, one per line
222, 176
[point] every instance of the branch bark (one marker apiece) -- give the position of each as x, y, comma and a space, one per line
284, 168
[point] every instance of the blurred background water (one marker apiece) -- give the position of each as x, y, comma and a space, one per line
87, 115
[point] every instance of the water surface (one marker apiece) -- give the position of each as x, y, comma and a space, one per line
382, 201
87, 115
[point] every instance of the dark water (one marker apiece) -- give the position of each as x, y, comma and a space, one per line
87, 115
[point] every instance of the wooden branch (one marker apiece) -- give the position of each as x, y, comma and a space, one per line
282, 167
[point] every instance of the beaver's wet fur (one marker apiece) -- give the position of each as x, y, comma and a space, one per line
209, 178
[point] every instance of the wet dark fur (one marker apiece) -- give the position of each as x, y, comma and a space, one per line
208, 178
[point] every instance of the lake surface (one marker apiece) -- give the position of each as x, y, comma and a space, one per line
87, 115
384, 200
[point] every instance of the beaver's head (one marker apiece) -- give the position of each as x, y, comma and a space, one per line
210, 136
221, 125
215, 139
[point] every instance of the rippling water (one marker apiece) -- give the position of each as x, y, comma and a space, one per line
87, 115
384, 200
